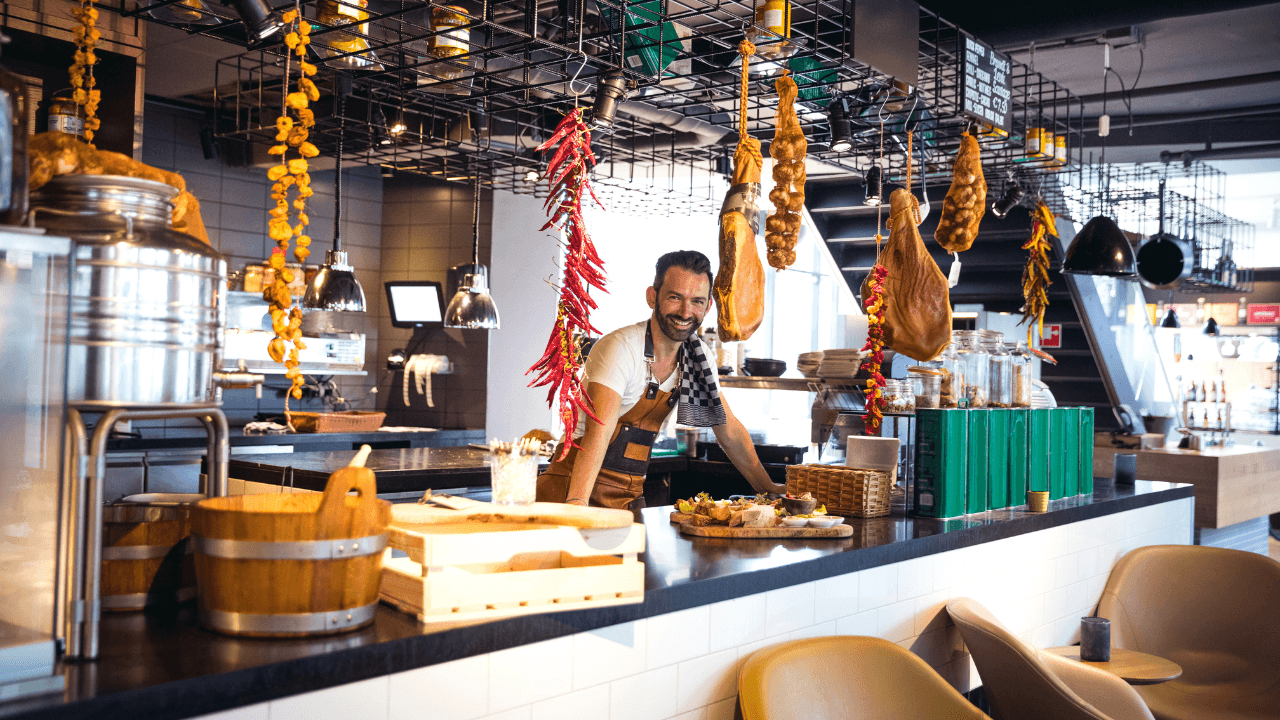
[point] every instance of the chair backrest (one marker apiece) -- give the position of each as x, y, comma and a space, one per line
1186, 602
846, 677
1018, 683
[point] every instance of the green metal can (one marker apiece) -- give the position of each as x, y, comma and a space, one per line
1019, 454
1071, 452
998, 458
1038, 459
942, 443
1086, 451
979, 461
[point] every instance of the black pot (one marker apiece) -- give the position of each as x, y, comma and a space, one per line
761, 367
1164, 261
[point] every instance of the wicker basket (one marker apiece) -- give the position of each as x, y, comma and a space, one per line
850, 492
346, 421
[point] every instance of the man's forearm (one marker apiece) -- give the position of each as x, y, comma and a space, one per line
736, 442
590, 457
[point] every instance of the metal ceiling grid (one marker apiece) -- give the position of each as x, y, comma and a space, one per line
515, 81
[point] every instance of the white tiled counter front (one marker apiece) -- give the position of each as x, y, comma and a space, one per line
684, 664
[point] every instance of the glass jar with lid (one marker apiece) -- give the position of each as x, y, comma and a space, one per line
927, 386
899, 397
951, 368
976, 367
1000, 374
1021, 372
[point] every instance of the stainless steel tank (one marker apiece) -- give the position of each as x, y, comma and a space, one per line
147, 307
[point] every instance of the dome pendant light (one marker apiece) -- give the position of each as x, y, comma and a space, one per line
335, 287
1100, 248
471, 307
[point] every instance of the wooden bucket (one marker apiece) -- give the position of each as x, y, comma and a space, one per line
146, 553
287, 565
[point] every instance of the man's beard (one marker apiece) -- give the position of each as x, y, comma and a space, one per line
666, 323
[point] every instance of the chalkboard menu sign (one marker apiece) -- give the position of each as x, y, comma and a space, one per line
985, 88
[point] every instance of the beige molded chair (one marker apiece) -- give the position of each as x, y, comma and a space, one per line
844, 678
1024, 683
1215, 612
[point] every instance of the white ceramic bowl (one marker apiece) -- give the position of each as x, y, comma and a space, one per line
825, 521
794, 522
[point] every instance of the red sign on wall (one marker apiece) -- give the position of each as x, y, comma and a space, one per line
1052, 336
1264, 314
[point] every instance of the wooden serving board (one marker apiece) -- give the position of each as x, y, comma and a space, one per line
463, 510
724, 531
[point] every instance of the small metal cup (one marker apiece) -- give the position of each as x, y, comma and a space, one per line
1038, 501
1095, 639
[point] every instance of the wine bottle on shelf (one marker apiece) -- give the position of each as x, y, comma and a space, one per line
1213, 391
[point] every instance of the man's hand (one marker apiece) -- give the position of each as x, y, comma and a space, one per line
736, 442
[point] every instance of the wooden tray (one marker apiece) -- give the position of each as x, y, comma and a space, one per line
485, 570
723, 531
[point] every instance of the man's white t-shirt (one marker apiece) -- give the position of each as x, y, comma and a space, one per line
617, 362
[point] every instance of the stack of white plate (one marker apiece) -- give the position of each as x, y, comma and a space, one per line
840, 363
808, 363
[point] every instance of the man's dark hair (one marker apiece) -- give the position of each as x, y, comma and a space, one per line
691, 260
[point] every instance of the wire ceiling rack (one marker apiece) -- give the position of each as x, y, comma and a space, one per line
514, 67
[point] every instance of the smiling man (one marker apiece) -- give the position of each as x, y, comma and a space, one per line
635, 376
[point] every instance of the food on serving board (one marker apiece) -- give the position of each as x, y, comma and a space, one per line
917, 304
739, 283
782, 228
966, 201
750, 512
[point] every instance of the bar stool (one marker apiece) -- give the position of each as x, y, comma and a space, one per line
846, 677
1024, 683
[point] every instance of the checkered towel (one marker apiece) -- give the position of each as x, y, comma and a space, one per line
700, 404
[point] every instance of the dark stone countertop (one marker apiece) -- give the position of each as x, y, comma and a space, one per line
161, 665
416, 469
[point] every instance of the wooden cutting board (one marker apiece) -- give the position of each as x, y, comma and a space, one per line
724, 531
463, 510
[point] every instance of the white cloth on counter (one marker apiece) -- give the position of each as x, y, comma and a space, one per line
420, 368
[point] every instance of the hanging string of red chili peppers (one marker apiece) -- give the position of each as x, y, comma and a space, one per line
290, 177
86, 37
568, 183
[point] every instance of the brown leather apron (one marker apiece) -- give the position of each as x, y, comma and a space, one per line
626, 460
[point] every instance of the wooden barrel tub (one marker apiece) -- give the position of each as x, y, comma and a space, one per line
146, 553
288, 565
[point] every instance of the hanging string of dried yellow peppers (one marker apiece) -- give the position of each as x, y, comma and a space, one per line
291, 178
83, 83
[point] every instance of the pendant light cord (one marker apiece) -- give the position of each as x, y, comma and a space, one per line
337, 179
475, 223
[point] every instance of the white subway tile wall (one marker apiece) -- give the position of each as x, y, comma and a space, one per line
684, 665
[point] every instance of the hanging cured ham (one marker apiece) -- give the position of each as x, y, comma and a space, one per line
739, 285
917, 304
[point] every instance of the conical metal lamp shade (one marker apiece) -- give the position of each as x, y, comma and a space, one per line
1211, 328
1100, 248
335, 287
471, 307
1170, 320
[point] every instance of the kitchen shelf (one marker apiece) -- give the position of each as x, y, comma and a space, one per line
766, 383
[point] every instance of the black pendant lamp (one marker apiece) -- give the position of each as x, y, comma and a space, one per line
1170, 320
471, 307
1211, 328
335, 287
1100, 248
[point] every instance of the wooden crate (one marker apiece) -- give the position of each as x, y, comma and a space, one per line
485, 571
